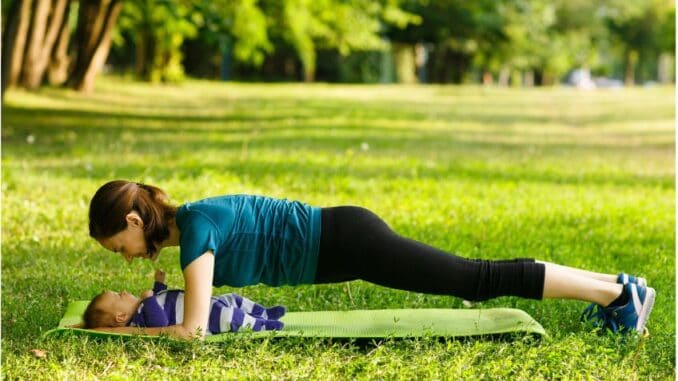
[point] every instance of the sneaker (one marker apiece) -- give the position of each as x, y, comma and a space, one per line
629, 317
593, 314
624, 278
633, 315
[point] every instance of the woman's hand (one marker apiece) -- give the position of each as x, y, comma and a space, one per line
177, 331
159, 276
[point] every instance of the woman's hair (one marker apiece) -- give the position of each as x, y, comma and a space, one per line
115, 199
95, 316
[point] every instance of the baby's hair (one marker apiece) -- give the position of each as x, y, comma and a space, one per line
115, 199
95, 316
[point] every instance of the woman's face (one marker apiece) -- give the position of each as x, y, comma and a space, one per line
130, 242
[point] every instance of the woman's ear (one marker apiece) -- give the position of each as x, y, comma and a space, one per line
133, 219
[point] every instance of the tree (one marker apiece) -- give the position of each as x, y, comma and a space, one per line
333, 24
60, 60
96, 19
252, 32
237, 28
158, 30
458, 31
641, 31
36, 40
30, 34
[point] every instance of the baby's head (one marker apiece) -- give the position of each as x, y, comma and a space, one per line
110, 309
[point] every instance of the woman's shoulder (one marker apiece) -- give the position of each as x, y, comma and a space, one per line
218, 200
208, 210
225, 201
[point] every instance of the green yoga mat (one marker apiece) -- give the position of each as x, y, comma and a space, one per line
366, 323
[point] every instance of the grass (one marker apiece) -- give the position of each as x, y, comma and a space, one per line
584, 179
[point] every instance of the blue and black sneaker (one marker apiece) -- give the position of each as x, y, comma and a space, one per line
633, 315
593, 312
630, 317
624, 278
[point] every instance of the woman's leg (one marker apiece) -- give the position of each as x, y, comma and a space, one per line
356, 244
589, 274
570, 283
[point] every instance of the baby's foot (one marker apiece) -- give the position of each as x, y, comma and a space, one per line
275, 313
267, 325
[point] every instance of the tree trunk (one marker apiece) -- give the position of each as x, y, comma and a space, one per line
145, 52
14, 42
665, 68
96, 20
630, 61
308, 62
528, 78
57, 70
504, 76
404, 63
34, 41
47, 22
309, 74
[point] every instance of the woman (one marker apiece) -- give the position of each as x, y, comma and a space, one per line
242, 240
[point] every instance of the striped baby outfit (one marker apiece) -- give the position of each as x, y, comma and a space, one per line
228, 312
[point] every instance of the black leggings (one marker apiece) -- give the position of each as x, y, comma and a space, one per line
356, 244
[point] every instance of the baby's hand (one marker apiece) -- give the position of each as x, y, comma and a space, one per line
146, 294
159, 276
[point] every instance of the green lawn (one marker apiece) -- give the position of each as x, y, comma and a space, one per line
583, 179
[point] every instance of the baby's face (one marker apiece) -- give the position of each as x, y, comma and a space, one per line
117, 302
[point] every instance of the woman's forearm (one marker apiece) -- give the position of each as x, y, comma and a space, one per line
178, 331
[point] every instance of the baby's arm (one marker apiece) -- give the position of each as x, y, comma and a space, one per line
159, 284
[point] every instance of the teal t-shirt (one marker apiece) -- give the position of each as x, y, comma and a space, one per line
254, 239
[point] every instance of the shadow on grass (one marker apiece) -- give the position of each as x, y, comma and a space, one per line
69, 134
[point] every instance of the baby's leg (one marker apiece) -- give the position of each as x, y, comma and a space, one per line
253, 308
231, 319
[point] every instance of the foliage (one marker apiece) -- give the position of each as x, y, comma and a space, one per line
642, 30
159, 29
549, 37
241, 22
245, 27
345, 26
580, 178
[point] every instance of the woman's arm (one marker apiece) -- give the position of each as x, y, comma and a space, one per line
172, 330
198, 277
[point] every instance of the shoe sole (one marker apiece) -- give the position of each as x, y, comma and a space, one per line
644, 314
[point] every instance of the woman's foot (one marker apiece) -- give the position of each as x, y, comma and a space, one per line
629, 317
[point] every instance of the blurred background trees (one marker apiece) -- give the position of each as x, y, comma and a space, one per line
507, 42
68, 43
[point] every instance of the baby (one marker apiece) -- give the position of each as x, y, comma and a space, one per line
162, 307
